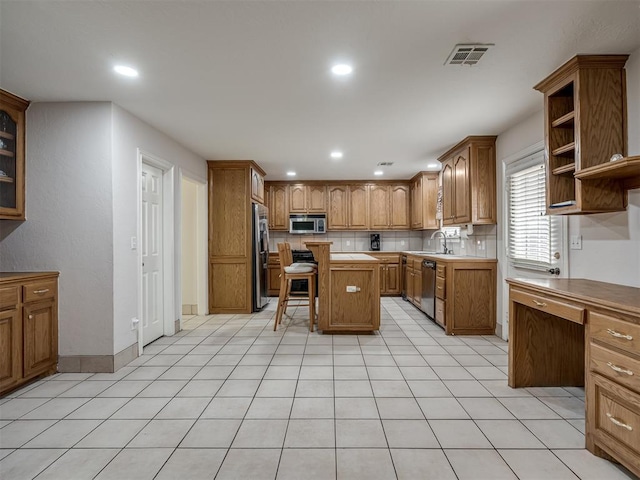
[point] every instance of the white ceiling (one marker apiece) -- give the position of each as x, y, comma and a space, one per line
251, 80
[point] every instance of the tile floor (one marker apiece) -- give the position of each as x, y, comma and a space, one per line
228, 398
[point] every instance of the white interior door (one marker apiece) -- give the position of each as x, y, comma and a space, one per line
152, 264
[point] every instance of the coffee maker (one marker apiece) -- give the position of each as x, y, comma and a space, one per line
375, 242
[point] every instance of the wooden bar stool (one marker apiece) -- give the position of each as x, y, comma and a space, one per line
290, 271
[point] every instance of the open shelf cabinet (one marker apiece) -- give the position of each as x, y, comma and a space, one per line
585, 123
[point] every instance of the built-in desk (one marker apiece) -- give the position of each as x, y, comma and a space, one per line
561, 328
348, 290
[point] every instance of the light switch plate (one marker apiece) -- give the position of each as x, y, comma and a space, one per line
576, 242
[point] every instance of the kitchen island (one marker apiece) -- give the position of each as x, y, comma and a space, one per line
348, 290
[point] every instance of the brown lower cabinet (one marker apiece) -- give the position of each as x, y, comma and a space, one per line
28, 327
273, 278
390, 281
465, 293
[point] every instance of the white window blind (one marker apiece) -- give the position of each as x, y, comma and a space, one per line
533, 235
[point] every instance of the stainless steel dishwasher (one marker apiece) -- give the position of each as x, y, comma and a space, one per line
428, 303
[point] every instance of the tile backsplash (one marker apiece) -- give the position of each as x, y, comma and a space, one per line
481, 243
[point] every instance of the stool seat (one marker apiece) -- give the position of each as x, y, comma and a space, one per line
295, 268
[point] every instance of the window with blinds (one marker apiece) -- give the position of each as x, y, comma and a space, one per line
533, 235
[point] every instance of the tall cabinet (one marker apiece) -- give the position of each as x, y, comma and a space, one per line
12, 156
585, 124
230, 235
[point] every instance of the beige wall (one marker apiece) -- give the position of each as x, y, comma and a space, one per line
189, 243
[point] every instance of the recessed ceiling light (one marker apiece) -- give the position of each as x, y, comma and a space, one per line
378, 172
342, 69
126, 71
291, 174
336, 154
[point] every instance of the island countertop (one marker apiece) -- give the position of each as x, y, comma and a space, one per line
353, 258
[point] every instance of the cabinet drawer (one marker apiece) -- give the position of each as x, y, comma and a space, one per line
618, 415
441, 270
621, 368
34, 291
8, 298
440, 288
440, 313
417, 265
610, 330
558, 308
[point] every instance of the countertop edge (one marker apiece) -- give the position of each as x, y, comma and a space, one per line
8, 277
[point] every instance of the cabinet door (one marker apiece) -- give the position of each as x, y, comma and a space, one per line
448, 197
383, 278
10, 348
40, 347
257, 186
392, 281
483, 184
317, 198
337, 218
358, 207
297, 199
379, 207
12, 136
278, 211
462, 203
399, 207
273, 285
417, 287
416, 203
408, 282
430, 201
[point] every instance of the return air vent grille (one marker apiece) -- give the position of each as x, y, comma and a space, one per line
385, 164
468, 54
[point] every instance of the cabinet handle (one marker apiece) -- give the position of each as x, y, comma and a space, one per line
618, 369
617, 422
30, 317
613, 333
439, 288
540, 304
41, 292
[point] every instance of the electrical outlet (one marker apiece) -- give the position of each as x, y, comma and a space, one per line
134, 243
348, 243
576, 242
352, 289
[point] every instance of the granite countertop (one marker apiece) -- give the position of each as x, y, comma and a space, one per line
449, 258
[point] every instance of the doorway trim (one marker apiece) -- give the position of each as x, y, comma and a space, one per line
201, 241
168, 241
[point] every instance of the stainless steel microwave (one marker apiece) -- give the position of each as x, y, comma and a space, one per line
309, 223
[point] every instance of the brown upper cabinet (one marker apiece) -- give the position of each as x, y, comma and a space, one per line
12, 156
348, 207
585, 124
307, 198
389, 207
424, 196
257, 186
469, 182
278, 204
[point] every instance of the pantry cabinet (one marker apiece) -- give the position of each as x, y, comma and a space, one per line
469, 182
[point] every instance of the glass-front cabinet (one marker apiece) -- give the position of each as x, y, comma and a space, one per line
12, 155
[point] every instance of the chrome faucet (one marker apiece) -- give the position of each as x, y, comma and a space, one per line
444, 238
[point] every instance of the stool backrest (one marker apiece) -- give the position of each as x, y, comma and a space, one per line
286, 257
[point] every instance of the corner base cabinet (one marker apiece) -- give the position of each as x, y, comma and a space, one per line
28, 327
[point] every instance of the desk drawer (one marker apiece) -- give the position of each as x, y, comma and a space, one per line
441, 270
618, 415
610, 330
441, 288
8, 298
41, 290
558, 308
620, 368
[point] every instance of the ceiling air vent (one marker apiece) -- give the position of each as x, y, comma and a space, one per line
468, 54
385, 164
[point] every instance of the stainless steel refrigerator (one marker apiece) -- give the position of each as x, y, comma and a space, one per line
260, 256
